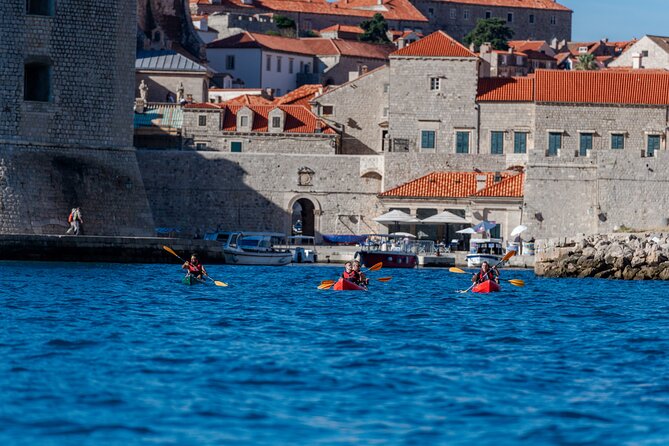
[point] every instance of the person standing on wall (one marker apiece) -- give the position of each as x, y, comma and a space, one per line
70, 220
75, 221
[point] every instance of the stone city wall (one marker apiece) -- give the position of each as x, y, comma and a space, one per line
201, 191
508, 117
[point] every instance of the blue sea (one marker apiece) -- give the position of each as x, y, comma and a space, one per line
110, 354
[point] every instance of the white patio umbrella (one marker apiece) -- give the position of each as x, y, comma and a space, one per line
518, 230
466, 231
403, 234
396, 217
445, 218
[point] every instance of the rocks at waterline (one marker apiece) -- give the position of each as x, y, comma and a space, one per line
613, 256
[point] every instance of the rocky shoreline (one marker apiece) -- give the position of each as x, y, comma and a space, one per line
642, 256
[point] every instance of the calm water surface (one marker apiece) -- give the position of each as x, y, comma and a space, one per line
125, 354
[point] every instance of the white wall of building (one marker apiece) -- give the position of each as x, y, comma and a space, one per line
280, 77
247, 64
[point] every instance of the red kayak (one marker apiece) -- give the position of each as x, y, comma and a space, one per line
485, 287
343, 284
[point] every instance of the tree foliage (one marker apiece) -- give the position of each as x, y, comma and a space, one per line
585, 62
493, 30
375, 30
285, 25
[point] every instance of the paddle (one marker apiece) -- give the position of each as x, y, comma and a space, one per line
506, 257
326, 284
171, 251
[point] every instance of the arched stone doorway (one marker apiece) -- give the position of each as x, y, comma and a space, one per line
303, 220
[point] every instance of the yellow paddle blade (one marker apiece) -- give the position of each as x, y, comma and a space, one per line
328, 282
508, 255
384, 279
219, 283
170, 250
457, 270
325, 286
517, 282
376, 267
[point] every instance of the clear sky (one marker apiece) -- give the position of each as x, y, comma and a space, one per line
618, 19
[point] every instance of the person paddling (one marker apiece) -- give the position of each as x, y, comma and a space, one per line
486, 273
348, 273
194, 267
359, 277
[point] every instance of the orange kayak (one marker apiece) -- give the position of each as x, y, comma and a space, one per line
485, 287
343, 284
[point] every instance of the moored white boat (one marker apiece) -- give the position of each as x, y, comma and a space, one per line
252, 248
484, 250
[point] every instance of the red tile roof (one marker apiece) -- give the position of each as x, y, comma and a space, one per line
249, 99
308, 46
343, 29
459, 185
529, 4
301, 95
391, 9
514, 89
602, 87
522, 45
299, 119
437, 44
201, 105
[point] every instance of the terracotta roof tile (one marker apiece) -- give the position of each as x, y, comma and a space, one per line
343, 29
300, 96
437, 44
207, 105
249, 99
458, 185
529, 4
602, 87
522, 45
299, 119
514, 89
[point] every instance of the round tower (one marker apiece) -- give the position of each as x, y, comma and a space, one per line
66, 118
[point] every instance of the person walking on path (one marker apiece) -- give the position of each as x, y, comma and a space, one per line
75, 221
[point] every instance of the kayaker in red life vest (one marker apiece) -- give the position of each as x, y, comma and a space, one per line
360, 278
486, 273
194, 267
348, 273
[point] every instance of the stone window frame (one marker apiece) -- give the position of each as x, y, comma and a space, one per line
531, 19
237, 141
509, 17
47, 7
465, 14
268, 62
244, 112
386, 87
202, 120
435, 83
201, 145
469, 141
492, 132
274, 114
550, 132
291, 65
553, 19
488, 14
230, 62
648, 134
423, 134
35, 67
592, 134
526, 135
278, 63
430, 12
327, 110
453, 14
613, 133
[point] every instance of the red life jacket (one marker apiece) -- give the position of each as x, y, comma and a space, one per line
490, 275
71, 217
349, 275
195, 268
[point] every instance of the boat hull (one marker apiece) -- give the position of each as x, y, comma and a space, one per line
390, 259
239, 257
191, 280
486, 287
474, 260
347, 285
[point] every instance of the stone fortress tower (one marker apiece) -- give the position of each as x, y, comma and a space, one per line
67, 70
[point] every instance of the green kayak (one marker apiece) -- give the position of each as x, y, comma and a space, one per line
191, 280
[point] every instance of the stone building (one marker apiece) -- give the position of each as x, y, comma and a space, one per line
169, 75
66, 120
651, 52
528, 19
510, 63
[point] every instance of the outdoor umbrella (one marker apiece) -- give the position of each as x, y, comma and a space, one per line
396, 217
466, 231
484, 226
403, 234
518, 230
444, 218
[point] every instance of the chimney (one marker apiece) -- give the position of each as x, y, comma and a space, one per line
379, 2
486, 48
480, 182
637, 61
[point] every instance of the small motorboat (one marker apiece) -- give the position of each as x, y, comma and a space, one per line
489, 286
189, 279
346, 285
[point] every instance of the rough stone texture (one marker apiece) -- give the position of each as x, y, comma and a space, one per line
251, 191
160, 84
606, 256
360, 123
76, 149
508, 118
458, 25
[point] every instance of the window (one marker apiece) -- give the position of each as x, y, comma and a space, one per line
385, 112
553, 20
236, 146
497, 143
520, 142
653, 144
496, 232
454, 13
276, 122
328, 110
37, 81
301, 66
202, 120
617, 141
291, 63
531, 18
307, 25
509, 17
278, 92
278, 64
268, 63
434, 83
230, 62
243, 121
554, 143
582, 49
519, 61
644, 53
40, 7
488, 14
585, 144
307, 68
427, 139
201, 146
430, 12
465, 14
386, 88
462, 142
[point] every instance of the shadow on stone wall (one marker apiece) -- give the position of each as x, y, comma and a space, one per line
196, 194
